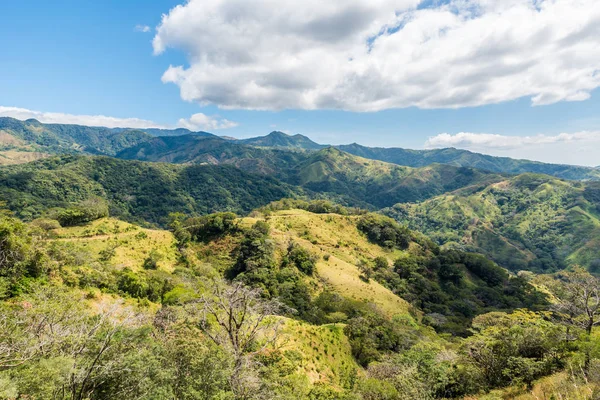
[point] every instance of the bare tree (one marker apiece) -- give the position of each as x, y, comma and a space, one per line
50, 322
237, 318
578, 303
578, 299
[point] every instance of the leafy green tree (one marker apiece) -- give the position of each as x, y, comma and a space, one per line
256, 251
86, 211
21, 253
301, 258
514, 348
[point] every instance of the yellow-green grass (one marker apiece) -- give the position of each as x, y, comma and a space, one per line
322, 353
557, 386
336, 238
132, 244
14, 157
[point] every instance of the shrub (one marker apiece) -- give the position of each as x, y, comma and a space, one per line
86, 211
384, 231
301, 258
151, 262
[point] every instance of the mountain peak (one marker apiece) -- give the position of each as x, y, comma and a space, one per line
283, 140
279, 134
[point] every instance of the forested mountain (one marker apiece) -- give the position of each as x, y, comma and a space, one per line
465, 158
141, 191
23, 141
192, 149
529, 222
380, 184
57, 138
136, 191
332, 301
282, 140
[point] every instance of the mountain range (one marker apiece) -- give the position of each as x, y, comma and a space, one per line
21, 141
504, 208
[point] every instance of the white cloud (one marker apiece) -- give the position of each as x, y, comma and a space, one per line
88, 120
567, 148
142, 28
204, 122
196, 121
492, 141
369, 55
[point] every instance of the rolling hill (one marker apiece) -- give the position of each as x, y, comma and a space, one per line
465, 158
358, 180
23, 141
135, 191
529, 222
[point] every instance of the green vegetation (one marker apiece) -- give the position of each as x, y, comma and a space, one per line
135, 191
465, 158
107, 309
60, 139
301, 297
282, 140
529, 222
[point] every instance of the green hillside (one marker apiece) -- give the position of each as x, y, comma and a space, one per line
465, 158
136, 191
60, 138
358, 295
30, 140
381, 184
357, 180
531, 222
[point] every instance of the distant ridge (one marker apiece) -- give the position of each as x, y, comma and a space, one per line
465, 158
48, 139
283, 140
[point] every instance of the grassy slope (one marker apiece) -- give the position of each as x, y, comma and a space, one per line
520, 222
337, 236
322, 353
133, 243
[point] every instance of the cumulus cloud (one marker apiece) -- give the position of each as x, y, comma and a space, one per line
370, 55
196, 121
492, 141
88, 120
580, 148
204, 122
142, 28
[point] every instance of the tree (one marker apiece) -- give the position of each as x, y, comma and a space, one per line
366, 270
51, 331
20, 253
86, 211
237, 318
578, 304
578, 295
303, 259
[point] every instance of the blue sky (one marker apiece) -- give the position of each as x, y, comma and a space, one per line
88, 58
